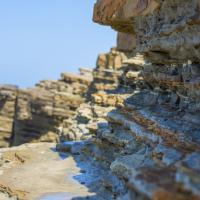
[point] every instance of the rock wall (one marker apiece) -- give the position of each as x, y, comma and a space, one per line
37, 114
150, 137
8, 98
105, 80
142, 114
166, 31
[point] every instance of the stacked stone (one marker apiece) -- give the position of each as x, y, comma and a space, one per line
34, 117
109, 139
37, 114
105, 78
107, 71
142, 114
91, 122
152, 141
106, 91
8, 96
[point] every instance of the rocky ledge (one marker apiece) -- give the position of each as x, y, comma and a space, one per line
37, 114
137, 131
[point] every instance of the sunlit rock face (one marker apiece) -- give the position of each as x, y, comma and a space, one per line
171, 33
37, 114
140, 118
167, 31
8, 97
119, 13
151, 140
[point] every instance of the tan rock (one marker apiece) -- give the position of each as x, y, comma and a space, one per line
126, 42
119, 13
35, 114
8, 98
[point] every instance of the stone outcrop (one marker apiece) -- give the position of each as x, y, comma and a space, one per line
142, 135
8, 96
166, 31
37, 114
105, 78
119, 13
140, 117
144, 145
126, 42
151, 139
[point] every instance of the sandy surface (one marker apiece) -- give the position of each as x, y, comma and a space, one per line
37, 172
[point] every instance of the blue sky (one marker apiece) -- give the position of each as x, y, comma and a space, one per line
39, 39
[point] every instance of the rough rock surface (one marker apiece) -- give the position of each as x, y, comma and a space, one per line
47, 174
141, 117
8, 96
166, 31
126, 42
151, 139
119, 13
37, 114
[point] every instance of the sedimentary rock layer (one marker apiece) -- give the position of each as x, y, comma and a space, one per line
37, 114
166, 31
142, 114
119, 13
150, 140
8, 99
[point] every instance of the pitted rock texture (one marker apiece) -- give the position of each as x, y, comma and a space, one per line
166, 31
150, 137
170, 34
8, 99
119, 13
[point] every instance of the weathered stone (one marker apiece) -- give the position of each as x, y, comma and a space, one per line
166, 31
126, 42
111, 60
8, 100
119, 13
138, 110
37, 114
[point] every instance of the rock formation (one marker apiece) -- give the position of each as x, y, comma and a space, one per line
37, 114
8, 96
151, 141
139, 119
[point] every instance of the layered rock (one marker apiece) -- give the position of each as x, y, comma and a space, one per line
8, 99
119, 14
166, 31
107, 90
151, 141
37, 114
91, 123
141, 117
148, 140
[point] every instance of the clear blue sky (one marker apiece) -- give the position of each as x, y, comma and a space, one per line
39, 39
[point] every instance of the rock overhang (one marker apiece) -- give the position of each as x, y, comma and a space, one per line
166, 32
119, 14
